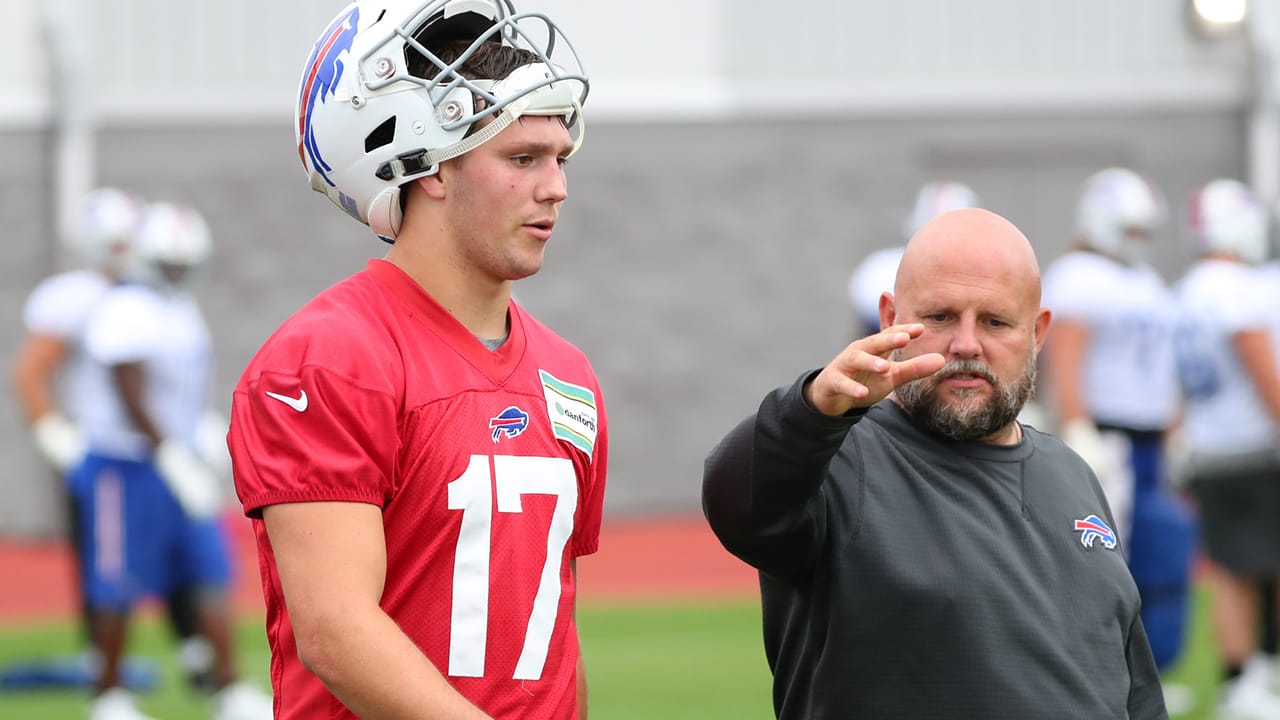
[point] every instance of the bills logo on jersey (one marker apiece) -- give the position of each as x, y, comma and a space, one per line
1093, 529
508, 423
324, 70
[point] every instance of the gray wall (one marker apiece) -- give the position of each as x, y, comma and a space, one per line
699, 264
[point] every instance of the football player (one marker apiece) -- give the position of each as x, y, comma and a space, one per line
1231, 386
422, 459
148, 501
1113, 385
53, 378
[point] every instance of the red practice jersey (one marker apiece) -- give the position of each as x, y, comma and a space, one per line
489, 467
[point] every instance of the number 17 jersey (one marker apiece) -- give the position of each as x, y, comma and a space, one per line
489, 468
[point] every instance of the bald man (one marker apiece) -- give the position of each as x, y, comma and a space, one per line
922, 553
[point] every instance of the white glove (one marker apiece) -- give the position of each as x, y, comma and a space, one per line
190, 479
59, 441
1083, 437
1106, 456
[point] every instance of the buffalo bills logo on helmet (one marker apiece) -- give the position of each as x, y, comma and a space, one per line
324, 70
1093, 528
510, 423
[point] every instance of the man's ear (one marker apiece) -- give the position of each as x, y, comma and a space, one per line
888, 311
1041, 327
434, 185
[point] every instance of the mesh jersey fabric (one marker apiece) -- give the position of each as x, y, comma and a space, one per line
388, 400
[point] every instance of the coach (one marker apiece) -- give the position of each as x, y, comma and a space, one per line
921, 553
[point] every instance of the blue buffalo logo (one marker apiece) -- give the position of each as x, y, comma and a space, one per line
1092, 529
324, 70
508, 423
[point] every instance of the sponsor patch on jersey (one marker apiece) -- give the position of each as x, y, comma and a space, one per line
1093, 529
572, 411
508, 423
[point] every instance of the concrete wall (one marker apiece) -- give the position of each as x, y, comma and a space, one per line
699, 264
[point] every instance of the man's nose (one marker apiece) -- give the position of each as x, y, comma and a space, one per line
965, 341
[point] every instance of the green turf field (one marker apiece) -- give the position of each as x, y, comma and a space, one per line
676, 662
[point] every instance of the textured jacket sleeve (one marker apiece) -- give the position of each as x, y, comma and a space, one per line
762, 484
1146, 698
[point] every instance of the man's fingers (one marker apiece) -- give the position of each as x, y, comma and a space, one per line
889, 339
917, 367
847, 386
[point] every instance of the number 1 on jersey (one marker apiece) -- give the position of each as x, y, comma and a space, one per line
473, 493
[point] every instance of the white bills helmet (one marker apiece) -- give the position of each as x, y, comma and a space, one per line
173, 242
1225, 216
365, 125
935, 198
105, 229
1118, 205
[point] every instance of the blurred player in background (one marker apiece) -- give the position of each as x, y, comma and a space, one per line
1228, 368
1113, 384
148, 501
424, 461
53, 388
876, 273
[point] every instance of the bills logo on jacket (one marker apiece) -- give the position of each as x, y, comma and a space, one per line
1093, 529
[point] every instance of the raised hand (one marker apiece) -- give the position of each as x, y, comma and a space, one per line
862, 374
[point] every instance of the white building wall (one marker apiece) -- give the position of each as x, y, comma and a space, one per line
165, 60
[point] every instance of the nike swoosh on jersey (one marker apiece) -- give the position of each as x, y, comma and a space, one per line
299, 403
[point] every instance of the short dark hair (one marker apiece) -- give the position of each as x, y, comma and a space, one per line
490, 61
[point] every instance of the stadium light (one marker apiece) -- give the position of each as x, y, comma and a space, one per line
1215, 18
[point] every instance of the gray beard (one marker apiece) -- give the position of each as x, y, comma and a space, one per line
971, 418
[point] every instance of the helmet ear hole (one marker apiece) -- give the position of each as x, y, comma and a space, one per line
381, 136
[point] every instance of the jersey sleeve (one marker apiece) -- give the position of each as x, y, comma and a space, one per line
1073, 289
586, 536
123, 329
312, 436
1244, 303
60, 306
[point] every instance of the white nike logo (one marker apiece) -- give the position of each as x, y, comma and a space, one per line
299, 403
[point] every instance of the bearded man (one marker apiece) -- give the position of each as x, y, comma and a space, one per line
921, 552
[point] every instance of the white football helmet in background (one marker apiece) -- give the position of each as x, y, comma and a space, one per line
105, 229
365, 126
1225, 216
173, 241
1118, 210
938, 197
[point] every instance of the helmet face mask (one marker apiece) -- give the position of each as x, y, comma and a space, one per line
1117, 213
1226, 217
367, 124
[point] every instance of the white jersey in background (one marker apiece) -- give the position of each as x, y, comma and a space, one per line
60, 306
1270, 274
1130, 376
167, 334
873, 276
1217, 299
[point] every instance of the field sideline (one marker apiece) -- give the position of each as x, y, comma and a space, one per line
640, 559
